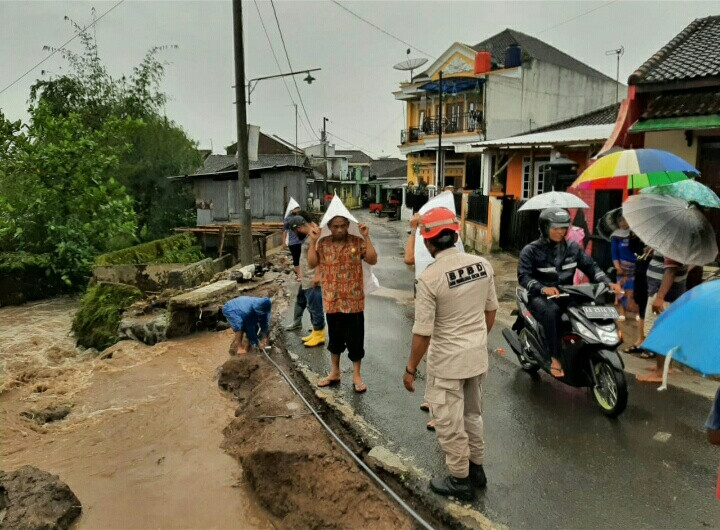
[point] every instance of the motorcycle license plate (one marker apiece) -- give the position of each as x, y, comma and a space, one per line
600, 312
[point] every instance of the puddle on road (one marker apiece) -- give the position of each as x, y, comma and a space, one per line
141, 446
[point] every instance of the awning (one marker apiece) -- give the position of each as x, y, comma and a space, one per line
684, 123
453, 85
573, 136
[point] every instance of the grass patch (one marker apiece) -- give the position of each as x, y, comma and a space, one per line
96, 322
180, 248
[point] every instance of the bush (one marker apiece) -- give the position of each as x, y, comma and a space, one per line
25, 276
180, 248
96, 322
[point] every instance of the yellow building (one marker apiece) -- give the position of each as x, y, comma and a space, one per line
502, 86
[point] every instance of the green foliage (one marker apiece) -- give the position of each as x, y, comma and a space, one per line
96, 322
180, 248
158, 148
57, 195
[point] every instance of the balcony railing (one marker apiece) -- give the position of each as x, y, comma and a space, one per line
454, 123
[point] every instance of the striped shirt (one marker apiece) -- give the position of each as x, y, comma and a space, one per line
656, 270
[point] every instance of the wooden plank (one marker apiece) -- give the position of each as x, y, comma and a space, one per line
222, 242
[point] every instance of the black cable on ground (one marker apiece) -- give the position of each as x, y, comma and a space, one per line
362, 464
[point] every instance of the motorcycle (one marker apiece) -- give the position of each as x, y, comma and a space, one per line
588, 344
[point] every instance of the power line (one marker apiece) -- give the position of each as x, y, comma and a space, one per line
277, 62
381, 29
578, 16
353, 145
62, 47
282, 38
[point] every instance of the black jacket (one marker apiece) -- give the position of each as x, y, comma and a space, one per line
546, 264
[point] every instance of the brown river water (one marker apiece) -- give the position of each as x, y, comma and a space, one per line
141, 445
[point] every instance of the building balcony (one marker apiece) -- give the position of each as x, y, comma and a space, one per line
469, 122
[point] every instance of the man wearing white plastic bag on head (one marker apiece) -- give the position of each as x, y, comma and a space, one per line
291, 239
342, 250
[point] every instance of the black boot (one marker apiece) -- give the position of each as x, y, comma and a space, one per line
460, 488
477, 475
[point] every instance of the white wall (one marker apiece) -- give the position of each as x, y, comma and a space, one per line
545, 94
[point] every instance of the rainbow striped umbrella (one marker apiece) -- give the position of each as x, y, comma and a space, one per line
633, 169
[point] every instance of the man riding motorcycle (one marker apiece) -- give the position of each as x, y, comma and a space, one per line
547, 263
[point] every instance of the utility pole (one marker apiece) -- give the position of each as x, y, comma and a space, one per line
324, 142
619, 52
296, 120
440, 179
246, 253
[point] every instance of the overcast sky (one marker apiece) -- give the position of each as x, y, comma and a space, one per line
353, 89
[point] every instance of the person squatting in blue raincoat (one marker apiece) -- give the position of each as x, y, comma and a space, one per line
247, 314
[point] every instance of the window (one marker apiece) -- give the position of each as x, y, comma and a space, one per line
540, 169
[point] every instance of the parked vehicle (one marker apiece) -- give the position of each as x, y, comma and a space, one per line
390, 208
589, 342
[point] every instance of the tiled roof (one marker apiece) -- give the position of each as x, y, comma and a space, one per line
356, 157
677, 104
398, 172
217, 163
600, 116
383, 166
693, 54
536, 49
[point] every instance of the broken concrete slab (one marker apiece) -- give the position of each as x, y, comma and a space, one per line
149, 328
203, 295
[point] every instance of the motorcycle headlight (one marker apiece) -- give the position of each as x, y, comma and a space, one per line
585, 332
609, 337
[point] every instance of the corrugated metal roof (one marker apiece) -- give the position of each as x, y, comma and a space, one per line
569, 136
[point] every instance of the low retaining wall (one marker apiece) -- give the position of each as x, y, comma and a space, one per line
156, 277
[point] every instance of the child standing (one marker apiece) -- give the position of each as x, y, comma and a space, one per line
624, 261
247, 314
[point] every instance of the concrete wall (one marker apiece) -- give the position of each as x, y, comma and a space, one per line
152, 277
480, 237
673, 141
543, 93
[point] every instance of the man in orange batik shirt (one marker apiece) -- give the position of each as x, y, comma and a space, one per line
339, 258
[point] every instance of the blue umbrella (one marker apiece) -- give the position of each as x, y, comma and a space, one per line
682, 331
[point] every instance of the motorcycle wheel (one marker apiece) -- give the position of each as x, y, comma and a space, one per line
525, 363
611, 394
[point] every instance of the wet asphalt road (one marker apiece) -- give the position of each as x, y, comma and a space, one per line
552, 459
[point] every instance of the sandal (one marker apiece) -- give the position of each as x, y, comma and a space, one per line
430, 426
647, 355
328, 382
360, 388
633, 349
425, 407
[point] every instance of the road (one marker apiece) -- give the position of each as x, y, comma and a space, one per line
552, 460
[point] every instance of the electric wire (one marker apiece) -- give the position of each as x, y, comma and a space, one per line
287, 56
62, 46
277, 62
362, 464
577, 16
381, 29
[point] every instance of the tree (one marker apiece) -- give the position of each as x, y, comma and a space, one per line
57, 193
158, 147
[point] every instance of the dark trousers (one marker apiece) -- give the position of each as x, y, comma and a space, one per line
547, 312
312, 300
347, 330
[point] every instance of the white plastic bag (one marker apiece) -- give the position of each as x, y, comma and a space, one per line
422, 256
292, 204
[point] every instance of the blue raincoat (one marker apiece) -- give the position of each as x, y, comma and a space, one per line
248, 313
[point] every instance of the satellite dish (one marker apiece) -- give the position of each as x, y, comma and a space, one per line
410, 64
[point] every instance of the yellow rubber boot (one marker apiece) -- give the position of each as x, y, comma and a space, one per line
317, 338
308, 337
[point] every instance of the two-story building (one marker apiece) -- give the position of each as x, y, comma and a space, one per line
500, 87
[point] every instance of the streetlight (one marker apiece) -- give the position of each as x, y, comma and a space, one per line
252, 83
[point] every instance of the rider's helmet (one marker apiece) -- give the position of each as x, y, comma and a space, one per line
553, 217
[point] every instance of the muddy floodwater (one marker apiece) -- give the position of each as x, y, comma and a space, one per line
141, 444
